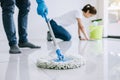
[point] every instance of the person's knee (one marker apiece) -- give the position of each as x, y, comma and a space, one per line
67, 38
59, 31
53, 24
63, 37
8, 8
25, 8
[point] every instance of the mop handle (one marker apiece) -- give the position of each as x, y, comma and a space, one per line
51, 31
60, 56
97, 20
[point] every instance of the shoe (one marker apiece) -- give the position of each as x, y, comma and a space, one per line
28, 45
49, 37
14, 49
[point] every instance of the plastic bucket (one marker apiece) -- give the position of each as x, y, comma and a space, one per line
96, 32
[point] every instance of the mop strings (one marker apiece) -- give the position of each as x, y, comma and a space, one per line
70, 62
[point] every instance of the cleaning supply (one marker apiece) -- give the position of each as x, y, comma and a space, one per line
96, 30
58, 52
61, 62
71, 62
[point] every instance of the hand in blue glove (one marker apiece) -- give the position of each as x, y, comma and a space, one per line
42, 8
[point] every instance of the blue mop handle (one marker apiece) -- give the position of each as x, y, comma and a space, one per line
60, 56
46, 19
58, 52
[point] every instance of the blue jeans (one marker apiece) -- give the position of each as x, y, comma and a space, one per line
59, 31
8, 21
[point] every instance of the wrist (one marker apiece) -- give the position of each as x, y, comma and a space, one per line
79, 37
40, 2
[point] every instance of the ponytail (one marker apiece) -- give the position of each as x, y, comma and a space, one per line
91, 9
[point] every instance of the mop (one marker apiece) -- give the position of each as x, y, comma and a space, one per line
62, 61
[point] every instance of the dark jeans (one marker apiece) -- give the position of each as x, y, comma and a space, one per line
59, 31
8, 21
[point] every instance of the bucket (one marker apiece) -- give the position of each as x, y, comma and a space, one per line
96, 32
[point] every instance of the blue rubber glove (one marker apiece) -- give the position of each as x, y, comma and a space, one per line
42, 8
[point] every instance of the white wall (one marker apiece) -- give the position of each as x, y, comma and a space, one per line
58, 7
103, 13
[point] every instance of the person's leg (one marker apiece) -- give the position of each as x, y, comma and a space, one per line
24, 8
60, 32
9, 26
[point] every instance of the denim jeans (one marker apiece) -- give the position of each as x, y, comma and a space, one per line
59, 31
8, 20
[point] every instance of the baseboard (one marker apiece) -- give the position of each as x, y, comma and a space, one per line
118, 37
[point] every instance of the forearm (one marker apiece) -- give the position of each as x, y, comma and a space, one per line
81, 29
84, 32
79, 33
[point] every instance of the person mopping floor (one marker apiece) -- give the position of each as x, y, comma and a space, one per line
62, 61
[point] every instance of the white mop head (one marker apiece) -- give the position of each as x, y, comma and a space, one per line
49, 63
